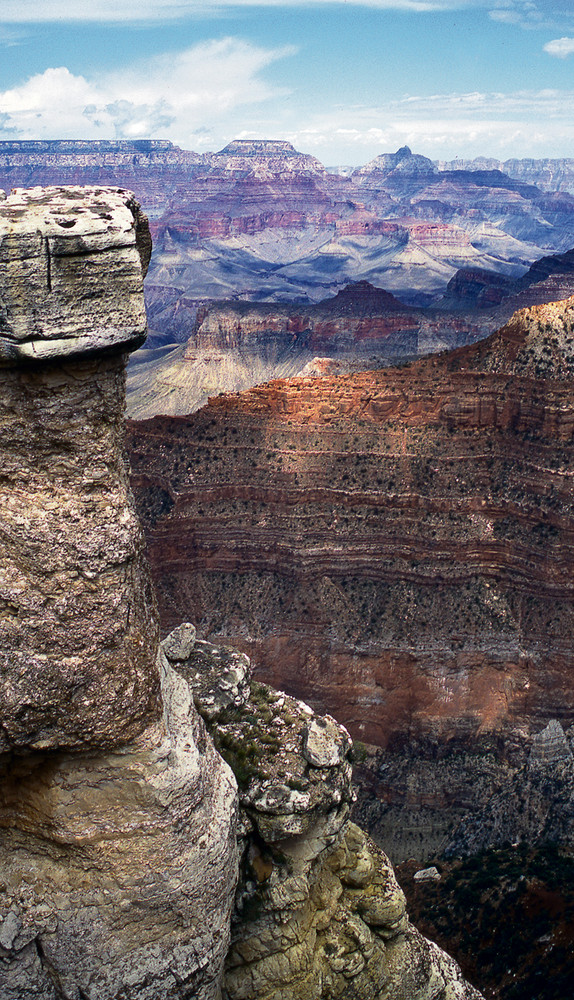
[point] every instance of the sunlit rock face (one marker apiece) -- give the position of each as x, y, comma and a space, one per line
117, 816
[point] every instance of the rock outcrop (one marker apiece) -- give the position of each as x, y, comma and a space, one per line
534, 807
117, 816
395, 547
319, 913
77, 631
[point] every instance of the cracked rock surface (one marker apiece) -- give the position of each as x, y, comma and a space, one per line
118, 857
319, 914
78, 626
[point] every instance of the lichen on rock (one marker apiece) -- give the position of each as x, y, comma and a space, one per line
319, 914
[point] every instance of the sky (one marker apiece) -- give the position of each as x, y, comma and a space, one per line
342, 80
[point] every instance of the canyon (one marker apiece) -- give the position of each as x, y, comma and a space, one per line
393, 547
235, 345
261, 238
390, 547
136, 861
260, 220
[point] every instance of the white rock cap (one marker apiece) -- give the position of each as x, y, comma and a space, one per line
72, 263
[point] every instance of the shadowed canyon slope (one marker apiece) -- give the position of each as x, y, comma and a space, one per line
394, 546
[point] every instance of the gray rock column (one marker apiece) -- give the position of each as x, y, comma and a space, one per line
118, 859
78, 625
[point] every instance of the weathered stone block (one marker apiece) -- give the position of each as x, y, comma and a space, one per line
78, 625
72, 262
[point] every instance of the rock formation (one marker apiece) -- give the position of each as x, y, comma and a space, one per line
117, 816
77, 641
262, 221
395, 547
319, 913
548, 174
154, 168
118, 850
534, 807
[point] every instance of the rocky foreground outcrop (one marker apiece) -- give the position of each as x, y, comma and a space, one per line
319, 914
395, 547
118, 818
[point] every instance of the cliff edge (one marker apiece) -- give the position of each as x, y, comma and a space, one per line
117, 816
125, 874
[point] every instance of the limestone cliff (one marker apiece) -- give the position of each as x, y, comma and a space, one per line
534, 806
117, 817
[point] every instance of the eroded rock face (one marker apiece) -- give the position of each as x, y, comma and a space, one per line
78, 630
535, 806
319, 913
72, 262
119, 868
117, 817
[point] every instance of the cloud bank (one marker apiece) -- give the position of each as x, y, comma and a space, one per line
30, 11
180, 96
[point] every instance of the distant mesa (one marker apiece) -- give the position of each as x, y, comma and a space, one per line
258, 147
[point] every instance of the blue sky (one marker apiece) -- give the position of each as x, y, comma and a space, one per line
341, 80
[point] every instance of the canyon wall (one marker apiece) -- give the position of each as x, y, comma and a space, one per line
122, 844
393, 546
235, 345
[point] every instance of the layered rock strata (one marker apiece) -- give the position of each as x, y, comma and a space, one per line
259, 220
319, 913
117, 816
396, 546
235, 345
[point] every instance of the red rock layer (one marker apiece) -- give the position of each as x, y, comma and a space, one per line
395, 546
360, 317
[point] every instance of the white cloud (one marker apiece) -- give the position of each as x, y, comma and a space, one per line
532, 13
560, 47
9, 37
174, 96
30, 11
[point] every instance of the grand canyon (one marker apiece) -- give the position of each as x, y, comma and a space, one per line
351, 450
